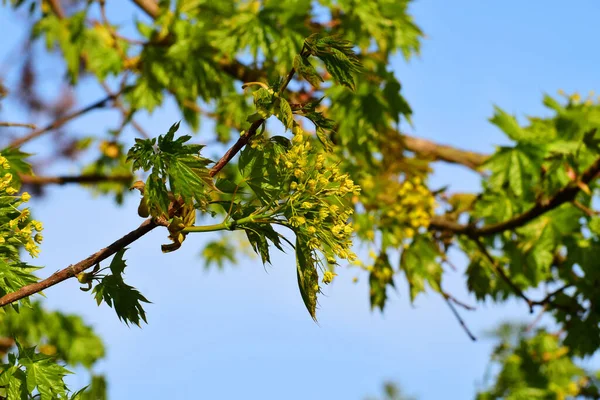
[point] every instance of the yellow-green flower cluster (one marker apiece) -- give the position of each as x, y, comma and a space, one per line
401, 208
17, 229
318, 208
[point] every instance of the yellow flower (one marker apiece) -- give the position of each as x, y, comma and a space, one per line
25, 197
328, 277
32, 248
575, 98
298, 138
37, 225
313, 243
311, 230
297, 221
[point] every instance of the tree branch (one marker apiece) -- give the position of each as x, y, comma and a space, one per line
73, 270
145, 227
546, 302
18, 125
237, 146
565, 195
439, 152
56, 8
424, 148
500, 271
458, 317
62, 120
150, 7
103, 254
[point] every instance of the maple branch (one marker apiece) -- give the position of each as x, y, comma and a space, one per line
103, 254
457, 302
500, 271
422, 147
145, 227
18, 125
564, 195
462, 323
81, 179
237, 146
243, 140
545, 302
56, 8
124, 111
548, 299
74, 269
233, 68
439, 152
150, 7
63, 120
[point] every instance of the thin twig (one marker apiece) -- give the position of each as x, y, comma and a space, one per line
549, 296
458, 302
62, 120
80, 179
18, 125
459, 318
588, 211
124, 112
537, 319
500, 271
56, 8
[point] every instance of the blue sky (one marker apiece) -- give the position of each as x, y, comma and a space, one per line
244, 333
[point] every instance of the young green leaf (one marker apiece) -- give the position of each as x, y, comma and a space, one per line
125, 299
308, 278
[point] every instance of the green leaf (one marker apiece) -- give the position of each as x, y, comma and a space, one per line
516, 168
18, 165
157, 195
337, 55
380, 277
307, 71
14, 276
308, 279
189, 178
219, 252
533, 254
17, 386
259, 243
125, 299
285, 113
250, 160
508, 124
96, 390
70, 338
258, 235
43, 373
420, 264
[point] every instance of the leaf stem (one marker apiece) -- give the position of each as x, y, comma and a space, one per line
228, 225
